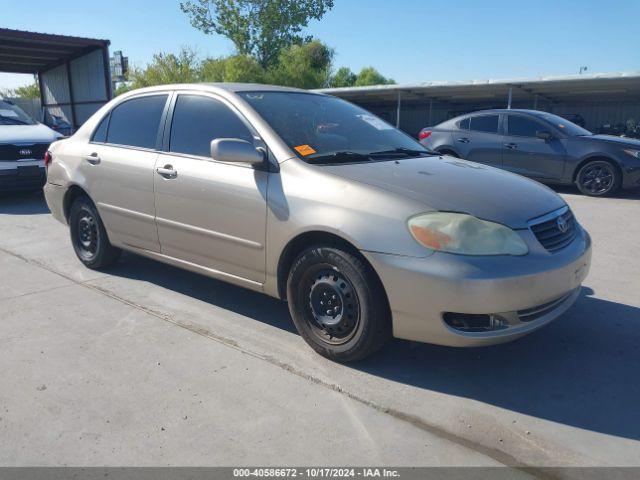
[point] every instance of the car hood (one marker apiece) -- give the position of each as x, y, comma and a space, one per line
454, 185
622, 141
37, 133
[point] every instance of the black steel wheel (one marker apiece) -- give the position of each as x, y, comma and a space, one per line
337, 304
598, 178
88, 236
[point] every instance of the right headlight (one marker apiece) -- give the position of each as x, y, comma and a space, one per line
465, 235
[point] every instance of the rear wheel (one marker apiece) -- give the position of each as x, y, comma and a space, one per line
598, 178
337, 304
89, 237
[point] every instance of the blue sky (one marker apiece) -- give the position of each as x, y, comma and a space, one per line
410, 40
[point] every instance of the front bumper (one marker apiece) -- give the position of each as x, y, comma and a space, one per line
528, 291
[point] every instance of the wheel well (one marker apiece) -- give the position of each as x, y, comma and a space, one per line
591, 159
308, 239
72, 194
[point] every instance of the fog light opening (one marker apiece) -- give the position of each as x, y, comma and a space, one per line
469, 322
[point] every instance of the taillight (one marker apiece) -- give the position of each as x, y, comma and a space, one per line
47, 159
424, 134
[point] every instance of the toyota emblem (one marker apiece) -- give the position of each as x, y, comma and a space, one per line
563, 226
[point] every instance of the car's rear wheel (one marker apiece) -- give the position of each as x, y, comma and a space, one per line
598, 178
89, 237
337, 304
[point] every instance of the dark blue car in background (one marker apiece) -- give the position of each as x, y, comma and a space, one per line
542, 146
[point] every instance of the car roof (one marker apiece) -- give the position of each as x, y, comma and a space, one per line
229, 87
505, 110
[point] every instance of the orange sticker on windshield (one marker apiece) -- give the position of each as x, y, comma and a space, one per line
305, 150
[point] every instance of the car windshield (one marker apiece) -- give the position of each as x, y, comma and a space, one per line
10, 114
565, 126
324, 129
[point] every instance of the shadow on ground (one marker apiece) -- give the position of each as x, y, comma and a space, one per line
23, 203
582, 370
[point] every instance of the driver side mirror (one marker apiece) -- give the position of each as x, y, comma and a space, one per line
544, 135
235, 150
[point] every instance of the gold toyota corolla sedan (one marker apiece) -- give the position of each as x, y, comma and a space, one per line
313, 200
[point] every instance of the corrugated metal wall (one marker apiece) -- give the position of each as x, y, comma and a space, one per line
76, 98
89, 87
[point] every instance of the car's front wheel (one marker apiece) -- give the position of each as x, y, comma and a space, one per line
338, 304
89, 237
598, 178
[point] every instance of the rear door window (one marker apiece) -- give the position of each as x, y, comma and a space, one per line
197, 120
135, 122
464, 124
484, 123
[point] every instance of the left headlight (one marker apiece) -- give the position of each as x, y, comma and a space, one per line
465, 234
633, 153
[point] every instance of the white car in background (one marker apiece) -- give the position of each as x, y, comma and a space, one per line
23, 144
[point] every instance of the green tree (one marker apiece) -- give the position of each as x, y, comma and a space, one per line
370, 76
344, 77
303, 66
258, 28
168, 68
26, 91
237, 68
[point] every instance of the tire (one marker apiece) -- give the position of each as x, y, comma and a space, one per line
89, 237
598, 178
358, 321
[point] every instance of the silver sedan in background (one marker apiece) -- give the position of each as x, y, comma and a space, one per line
313, 200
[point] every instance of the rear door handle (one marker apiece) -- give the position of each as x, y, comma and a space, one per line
511, 146
93, 159
464, 140
167, 171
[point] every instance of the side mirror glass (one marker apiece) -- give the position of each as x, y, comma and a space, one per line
544, 135
235, 150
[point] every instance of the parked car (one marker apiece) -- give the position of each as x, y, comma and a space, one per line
59, 124
313, 200
542, 146
23, 143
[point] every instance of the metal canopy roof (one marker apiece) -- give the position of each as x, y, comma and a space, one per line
594, 87
31, 52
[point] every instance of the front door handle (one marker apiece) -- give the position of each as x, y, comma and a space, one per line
167, 171
511, 146
464, 140
93, 159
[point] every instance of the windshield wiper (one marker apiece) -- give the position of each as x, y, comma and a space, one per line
340, 157
403, 151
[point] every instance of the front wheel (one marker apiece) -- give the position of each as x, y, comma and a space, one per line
338, 304
89, 237
598, 178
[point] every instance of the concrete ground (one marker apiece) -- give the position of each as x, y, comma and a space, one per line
146, 364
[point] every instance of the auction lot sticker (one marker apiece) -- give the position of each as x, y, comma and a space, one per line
305, 150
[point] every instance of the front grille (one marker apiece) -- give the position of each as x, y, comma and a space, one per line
24, 151
551, 236
534, 313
